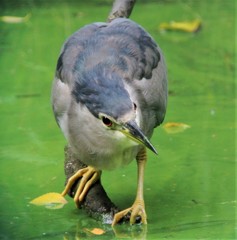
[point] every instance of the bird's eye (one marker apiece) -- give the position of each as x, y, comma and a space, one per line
107, 122
135, 106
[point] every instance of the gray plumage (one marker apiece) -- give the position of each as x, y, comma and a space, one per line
108, 69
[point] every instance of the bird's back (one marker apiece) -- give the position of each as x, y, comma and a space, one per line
121, 47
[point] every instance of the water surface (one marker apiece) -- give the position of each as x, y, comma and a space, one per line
189, 187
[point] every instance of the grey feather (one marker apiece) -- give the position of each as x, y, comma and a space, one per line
105, 68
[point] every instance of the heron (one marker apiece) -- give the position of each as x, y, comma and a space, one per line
108, 95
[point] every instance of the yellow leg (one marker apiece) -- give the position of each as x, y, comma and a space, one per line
138, 207
89, 176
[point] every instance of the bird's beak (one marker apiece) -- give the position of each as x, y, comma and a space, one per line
131, 130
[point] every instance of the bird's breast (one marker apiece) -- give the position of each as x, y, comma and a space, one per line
113, 160
106, 154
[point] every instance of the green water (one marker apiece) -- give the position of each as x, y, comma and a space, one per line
189, 187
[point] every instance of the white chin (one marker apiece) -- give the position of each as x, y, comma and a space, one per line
126, 141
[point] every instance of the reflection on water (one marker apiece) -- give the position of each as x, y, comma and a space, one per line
189, 187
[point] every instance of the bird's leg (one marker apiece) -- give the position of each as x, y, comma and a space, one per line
138, 207
89, 176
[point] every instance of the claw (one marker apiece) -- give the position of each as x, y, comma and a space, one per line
89, 176
137, 210
138, 207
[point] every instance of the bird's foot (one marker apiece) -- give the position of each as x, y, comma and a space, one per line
89, 176
137, 211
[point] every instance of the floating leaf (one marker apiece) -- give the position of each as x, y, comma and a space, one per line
14, 19
50, 200
95, 231
191, 26
174, 127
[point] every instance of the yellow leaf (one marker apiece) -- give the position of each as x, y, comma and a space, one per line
50, 200
191, 26
174, 127
14, 19
95, 231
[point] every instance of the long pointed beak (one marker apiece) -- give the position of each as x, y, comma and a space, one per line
131, 130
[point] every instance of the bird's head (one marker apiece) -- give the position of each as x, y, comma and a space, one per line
107, 99
128, 126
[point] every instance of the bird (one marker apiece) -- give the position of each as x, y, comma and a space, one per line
109, 93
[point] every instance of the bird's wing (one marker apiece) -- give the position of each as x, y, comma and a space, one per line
152, 94
64, 80
72, 49
141, 63
137, 49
